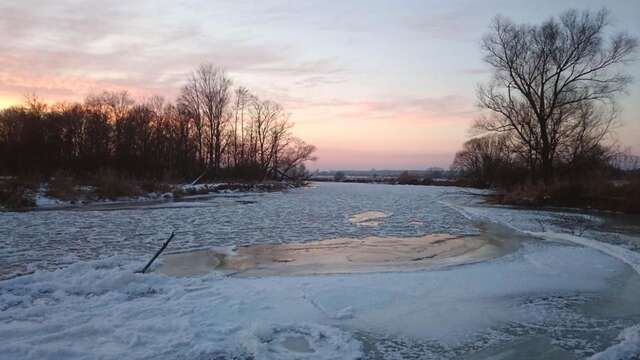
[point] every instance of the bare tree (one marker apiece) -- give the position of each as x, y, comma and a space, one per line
484, 159
547, 75
280, 139
206, 98
295, 154
35, 104
265, 116
155, 138
114, 104
584, 135
189, 104
242, 98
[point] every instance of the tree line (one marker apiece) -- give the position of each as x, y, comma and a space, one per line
212, 130
550, 108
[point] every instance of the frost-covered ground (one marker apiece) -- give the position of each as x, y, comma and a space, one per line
569, 290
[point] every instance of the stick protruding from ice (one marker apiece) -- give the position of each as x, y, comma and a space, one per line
164, 246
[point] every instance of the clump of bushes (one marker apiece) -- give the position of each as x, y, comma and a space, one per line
600, 194
16, 194
62, 186
155, 186
407, 178
110, 185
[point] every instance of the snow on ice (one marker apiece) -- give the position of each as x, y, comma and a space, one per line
98, 307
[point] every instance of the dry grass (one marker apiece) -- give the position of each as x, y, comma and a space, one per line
622, 196
110, 185
155, 186
62, 186
17, 194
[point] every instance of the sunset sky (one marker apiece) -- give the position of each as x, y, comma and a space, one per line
373, 84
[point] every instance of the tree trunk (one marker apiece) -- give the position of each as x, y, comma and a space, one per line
546, 153
547, 167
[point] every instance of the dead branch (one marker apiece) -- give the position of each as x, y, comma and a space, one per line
157, 253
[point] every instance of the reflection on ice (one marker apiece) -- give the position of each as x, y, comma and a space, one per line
334, 256
368, 218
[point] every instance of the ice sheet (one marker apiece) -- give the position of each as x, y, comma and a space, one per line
100, 308
49, 239
103, 309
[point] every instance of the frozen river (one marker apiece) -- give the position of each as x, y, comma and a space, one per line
567, 288
46, 239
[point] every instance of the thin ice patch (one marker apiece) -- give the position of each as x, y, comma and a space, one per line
627, 348
297, 341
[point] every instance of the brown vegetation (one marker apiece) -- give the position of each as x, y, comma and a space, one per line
16, 194
621, 196
110, 185
62, 186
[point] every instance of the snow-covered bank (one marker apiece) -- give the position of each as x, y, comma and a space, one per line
185, 192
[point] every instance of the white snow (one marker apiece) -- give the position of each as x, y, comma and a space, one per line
200, 188
103, 309
43, 201
627, 348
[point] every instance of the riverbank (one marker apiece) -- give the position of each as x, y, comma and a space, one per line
19, 195
615, 196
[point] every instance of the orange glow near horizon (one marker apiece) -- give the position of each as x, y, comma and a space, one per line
6, 102
391, 88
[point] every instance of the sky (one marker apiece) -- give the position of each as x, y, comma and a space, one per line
373, 84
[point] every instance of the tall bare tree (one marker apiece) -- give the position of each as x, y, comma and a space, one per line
207, 96
114, 104
190, 107
547, 75
265, 116
242, 98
